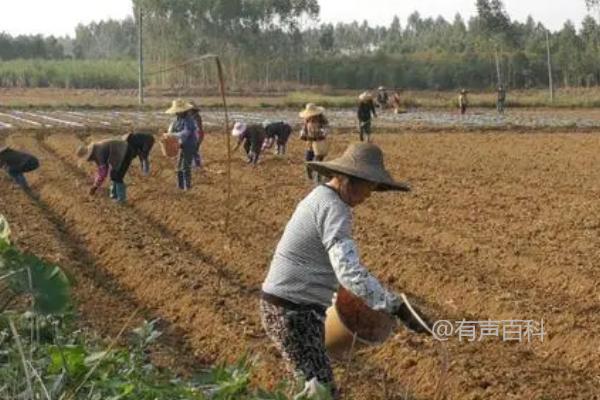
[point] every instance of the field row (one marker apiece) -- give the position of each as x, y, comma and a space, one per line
499, 227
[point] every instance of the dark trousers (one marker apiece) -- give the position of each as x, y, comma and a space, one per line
117, 175
17, 173
184, 168
252, 150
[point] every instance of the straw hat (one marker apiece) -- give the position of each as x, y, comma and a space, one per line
179, 106
381, 88
195, 107
364, 96
238, 129
311, 110
84, 152
363, 161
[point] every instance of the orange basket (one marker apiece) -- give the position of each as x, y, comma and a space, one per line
169, 146
350, 316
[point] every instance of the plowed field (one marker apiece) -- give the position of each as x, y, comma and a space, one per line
499, 226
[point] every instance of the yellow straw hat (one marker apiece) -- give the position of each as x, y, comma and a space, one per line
311, 110
179, 106
365, 96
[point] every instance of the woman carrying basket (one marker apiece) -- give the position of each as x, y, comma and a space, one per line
184, 128
317, 254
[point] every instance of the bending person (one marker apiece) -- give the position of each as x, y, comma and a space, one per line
17, 163
317, 254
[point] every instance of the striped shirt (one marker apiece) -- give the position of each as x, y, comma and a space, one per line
316, 254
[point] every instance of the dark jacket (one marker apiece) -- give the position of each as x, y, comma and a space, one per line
141, 144
255, 136
109, 152
280, 130
365, 109
17, 161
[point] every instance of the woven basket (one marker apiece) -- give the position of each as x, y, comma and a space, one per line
169, 146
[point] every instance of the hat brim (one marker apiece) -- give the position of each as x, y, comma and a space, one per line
312, 113
381, 177
177, 110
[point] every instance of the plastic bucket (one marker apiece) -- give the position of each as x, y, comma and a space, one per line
350, 316
169, 146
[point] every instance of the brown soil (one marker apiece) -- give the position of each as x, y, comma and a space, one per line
499, 226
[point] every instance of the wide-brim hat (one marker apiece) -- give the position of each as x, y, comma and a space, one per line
363, 161
195, 107
238, 129
311, 110
179, 106
85, 151
365, 96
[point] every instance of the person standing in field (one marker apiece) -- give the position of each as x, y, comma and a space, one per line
140, 144
252, 136
317, 255
277, 132
366, 108
184, 128
112, 156
17, 163
382, 97
198, 163
463, 101
314, 132
501, 99
396, 102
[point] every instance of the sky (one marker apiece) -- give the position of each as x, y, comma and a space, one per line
60, 17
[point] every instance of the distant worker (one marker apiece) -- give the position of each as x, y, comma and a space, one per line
501, 99
112, 156
252, 136
314, 132
366, 108
277, 132
198, 162
396, 103
140, 144
17, 163
382, 97
184, 128
463, 101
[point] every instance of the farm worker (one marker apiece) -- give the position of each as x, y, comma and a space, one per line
317, 254
501, 99
463, 101
396, 102
366, 107
140, 144
252, 136
314, 132
277, 132
382, 97
199, 134
110, 156
184, 128
17, 163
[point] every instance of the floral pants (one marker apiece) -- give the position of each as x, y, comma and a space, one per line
300, 338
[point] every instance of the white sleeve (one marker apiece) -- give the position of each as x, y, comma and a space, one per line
354, 277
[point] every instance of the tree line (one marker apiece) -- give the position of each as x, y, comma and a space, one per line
266, 42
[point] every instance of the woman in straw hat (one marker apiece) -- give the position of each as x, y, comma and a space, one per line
317, 254
110, 156
314, 132
184, 128
252, 136
17, 163
366, 108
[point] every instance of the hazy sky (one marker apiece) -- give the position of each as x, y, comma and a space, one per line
59, 17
